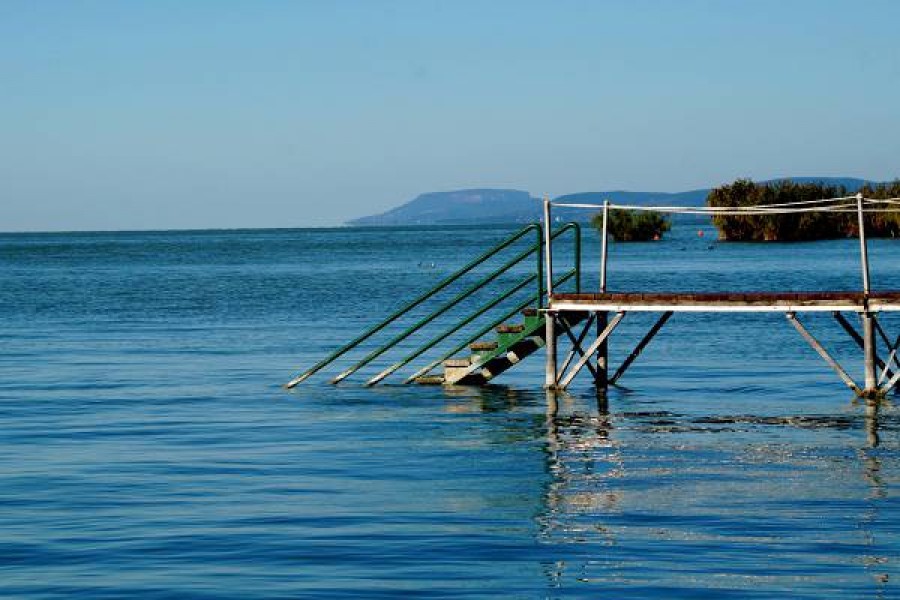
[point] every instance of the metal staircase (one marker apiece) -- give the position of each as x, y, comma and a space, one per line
476, 360
513, 343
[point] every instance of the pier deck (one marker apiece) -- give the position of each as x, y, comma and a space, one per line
786, 302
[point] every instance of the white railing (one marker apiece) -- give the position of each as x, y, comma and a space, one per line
844, 204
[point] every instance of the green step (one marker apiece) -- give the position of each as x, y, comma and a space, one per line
457, 362
517, 328
482, 346
516, 343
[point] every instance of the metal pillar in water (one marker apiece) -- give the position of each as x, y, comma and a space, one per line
868, 333
550, 368
602, 376
870, 388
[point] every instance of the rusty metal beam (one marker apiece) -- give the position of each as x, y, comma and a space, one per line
640, 347
824, 353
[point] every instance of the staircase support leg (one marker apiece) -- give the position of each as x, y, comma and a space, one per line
550, 370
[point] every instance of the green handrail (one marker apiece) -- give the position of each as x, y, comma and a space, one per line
440, 286
576, 271
538, 300
497, 300
480, 333
576, 228
432, 316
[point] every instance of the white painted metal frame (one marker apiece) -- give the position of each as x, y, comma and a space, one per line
874, 306
867, 309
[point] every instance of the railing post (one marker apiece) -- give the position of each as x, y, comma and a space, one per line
548, 248
603, 246
863, 249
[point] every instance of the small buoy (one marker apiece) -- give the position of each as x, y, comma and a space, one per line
699, 233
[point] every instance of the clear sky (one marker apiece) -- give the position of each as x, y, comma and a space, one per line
192, 114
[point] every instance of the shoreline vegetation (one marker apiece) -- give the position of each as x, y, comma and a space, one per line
798, 227
645, 226
633, 225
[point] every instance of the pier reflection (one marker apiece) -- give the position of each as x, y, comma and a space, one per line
752, 498
584, 462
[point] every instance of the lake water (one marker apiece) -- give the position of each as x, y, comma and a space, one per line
148, 450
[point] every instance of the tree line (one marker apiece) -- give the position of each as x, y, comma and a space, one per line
803, 226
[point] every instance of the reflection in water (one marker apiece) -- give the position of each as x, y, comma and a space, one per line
487, 399
754, 500
583, 461
877, 493
750, 509
872, 438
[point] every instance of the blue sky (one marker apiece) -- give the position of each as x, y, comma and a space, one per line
194, 114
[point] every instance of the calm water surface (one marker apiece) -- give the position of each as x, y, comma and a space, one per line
147, 449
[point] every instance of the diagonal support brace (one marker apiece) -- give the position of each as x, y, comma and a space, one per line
640, 347
892, 382
593, 348
892, 357
824, 353
892, 354
851, 331
576, 345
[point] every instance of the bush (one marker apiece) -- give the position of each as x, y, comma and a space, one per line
633, 225
798, 226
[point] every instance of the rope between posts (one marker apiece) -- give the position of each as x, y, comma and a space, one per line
803, 206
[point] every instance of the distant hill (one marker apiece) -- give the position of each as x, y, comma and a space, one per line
490, 206
460, 206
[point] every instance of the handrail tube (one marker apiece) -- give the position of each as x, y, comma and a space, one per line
548, 247
413, 328
577, 247
519, 286
399, 312
479, 333
431, 317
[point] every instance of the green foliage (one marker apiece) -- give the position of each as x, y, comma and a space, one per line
633, 225
802, 226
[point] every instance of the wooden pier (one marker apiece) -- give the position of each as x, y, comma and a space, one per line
508, 327
881, 373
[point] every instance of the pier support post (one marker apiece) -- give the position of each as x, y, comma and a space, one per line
550, 370
870, 387
601, 375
